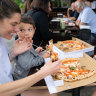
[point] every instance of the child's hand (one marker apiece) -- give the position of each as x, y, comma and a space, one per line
39, 49
46, 55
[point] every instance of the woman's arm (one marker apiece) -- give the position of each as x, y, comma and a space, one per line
13, 88
16, 87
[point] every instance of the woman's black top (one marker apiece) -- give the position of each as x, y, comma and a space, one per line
42, 33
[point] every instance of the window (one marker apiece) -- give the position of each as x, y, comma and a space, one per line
61, 3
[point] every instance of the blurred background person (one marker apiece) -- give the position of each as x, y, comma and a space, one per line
27, 6
72, 13
40, 10
86, 17
89, 3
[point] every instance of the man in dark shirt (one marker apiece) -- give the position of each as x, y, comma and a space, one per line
72, 13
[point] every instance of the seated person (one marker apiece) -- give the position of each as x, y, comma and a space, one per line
86, 17
72, 13
40, 11
31, 58
88, 3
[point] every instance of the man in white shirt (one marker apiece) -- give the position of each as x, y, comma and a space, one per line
86, 17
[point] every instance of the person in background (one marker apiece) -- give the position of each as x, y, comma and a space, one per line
86, 17
72, 13
27, 6
40, 10
80, 0
88, 3
9, 20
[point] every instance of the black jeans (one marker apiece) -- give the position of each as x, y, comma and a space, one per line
85, 35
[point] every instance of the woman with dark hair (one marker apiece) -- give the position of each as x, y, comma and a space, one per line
39, 12
27, 6
9, 20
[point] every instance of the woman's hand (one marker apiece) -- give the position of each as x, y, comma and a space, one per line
21, 46
39, 49
51, 68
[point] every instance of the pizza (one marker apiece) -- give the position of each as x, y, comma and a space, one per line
54, 56
70, 62
71, 71
49, 47
70, 45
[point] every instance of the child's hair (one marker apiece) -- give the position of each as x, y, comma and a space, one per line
27, 19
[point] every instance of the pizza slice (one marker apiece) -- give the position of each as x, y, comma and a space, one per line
50, 46
74, 74
54, 56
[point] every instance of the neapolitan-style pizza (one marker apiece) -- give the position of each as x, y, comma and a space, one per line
71, 71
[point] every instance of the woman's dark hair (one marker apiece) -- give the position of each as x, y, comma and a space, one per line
40, 5
27, 19
8, 8
27, 6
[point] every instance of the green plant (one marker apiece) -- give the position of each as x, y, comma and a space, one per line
20, 3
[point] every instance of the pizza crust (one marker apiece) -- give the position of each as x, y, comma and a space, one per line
76, 78
73, 73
